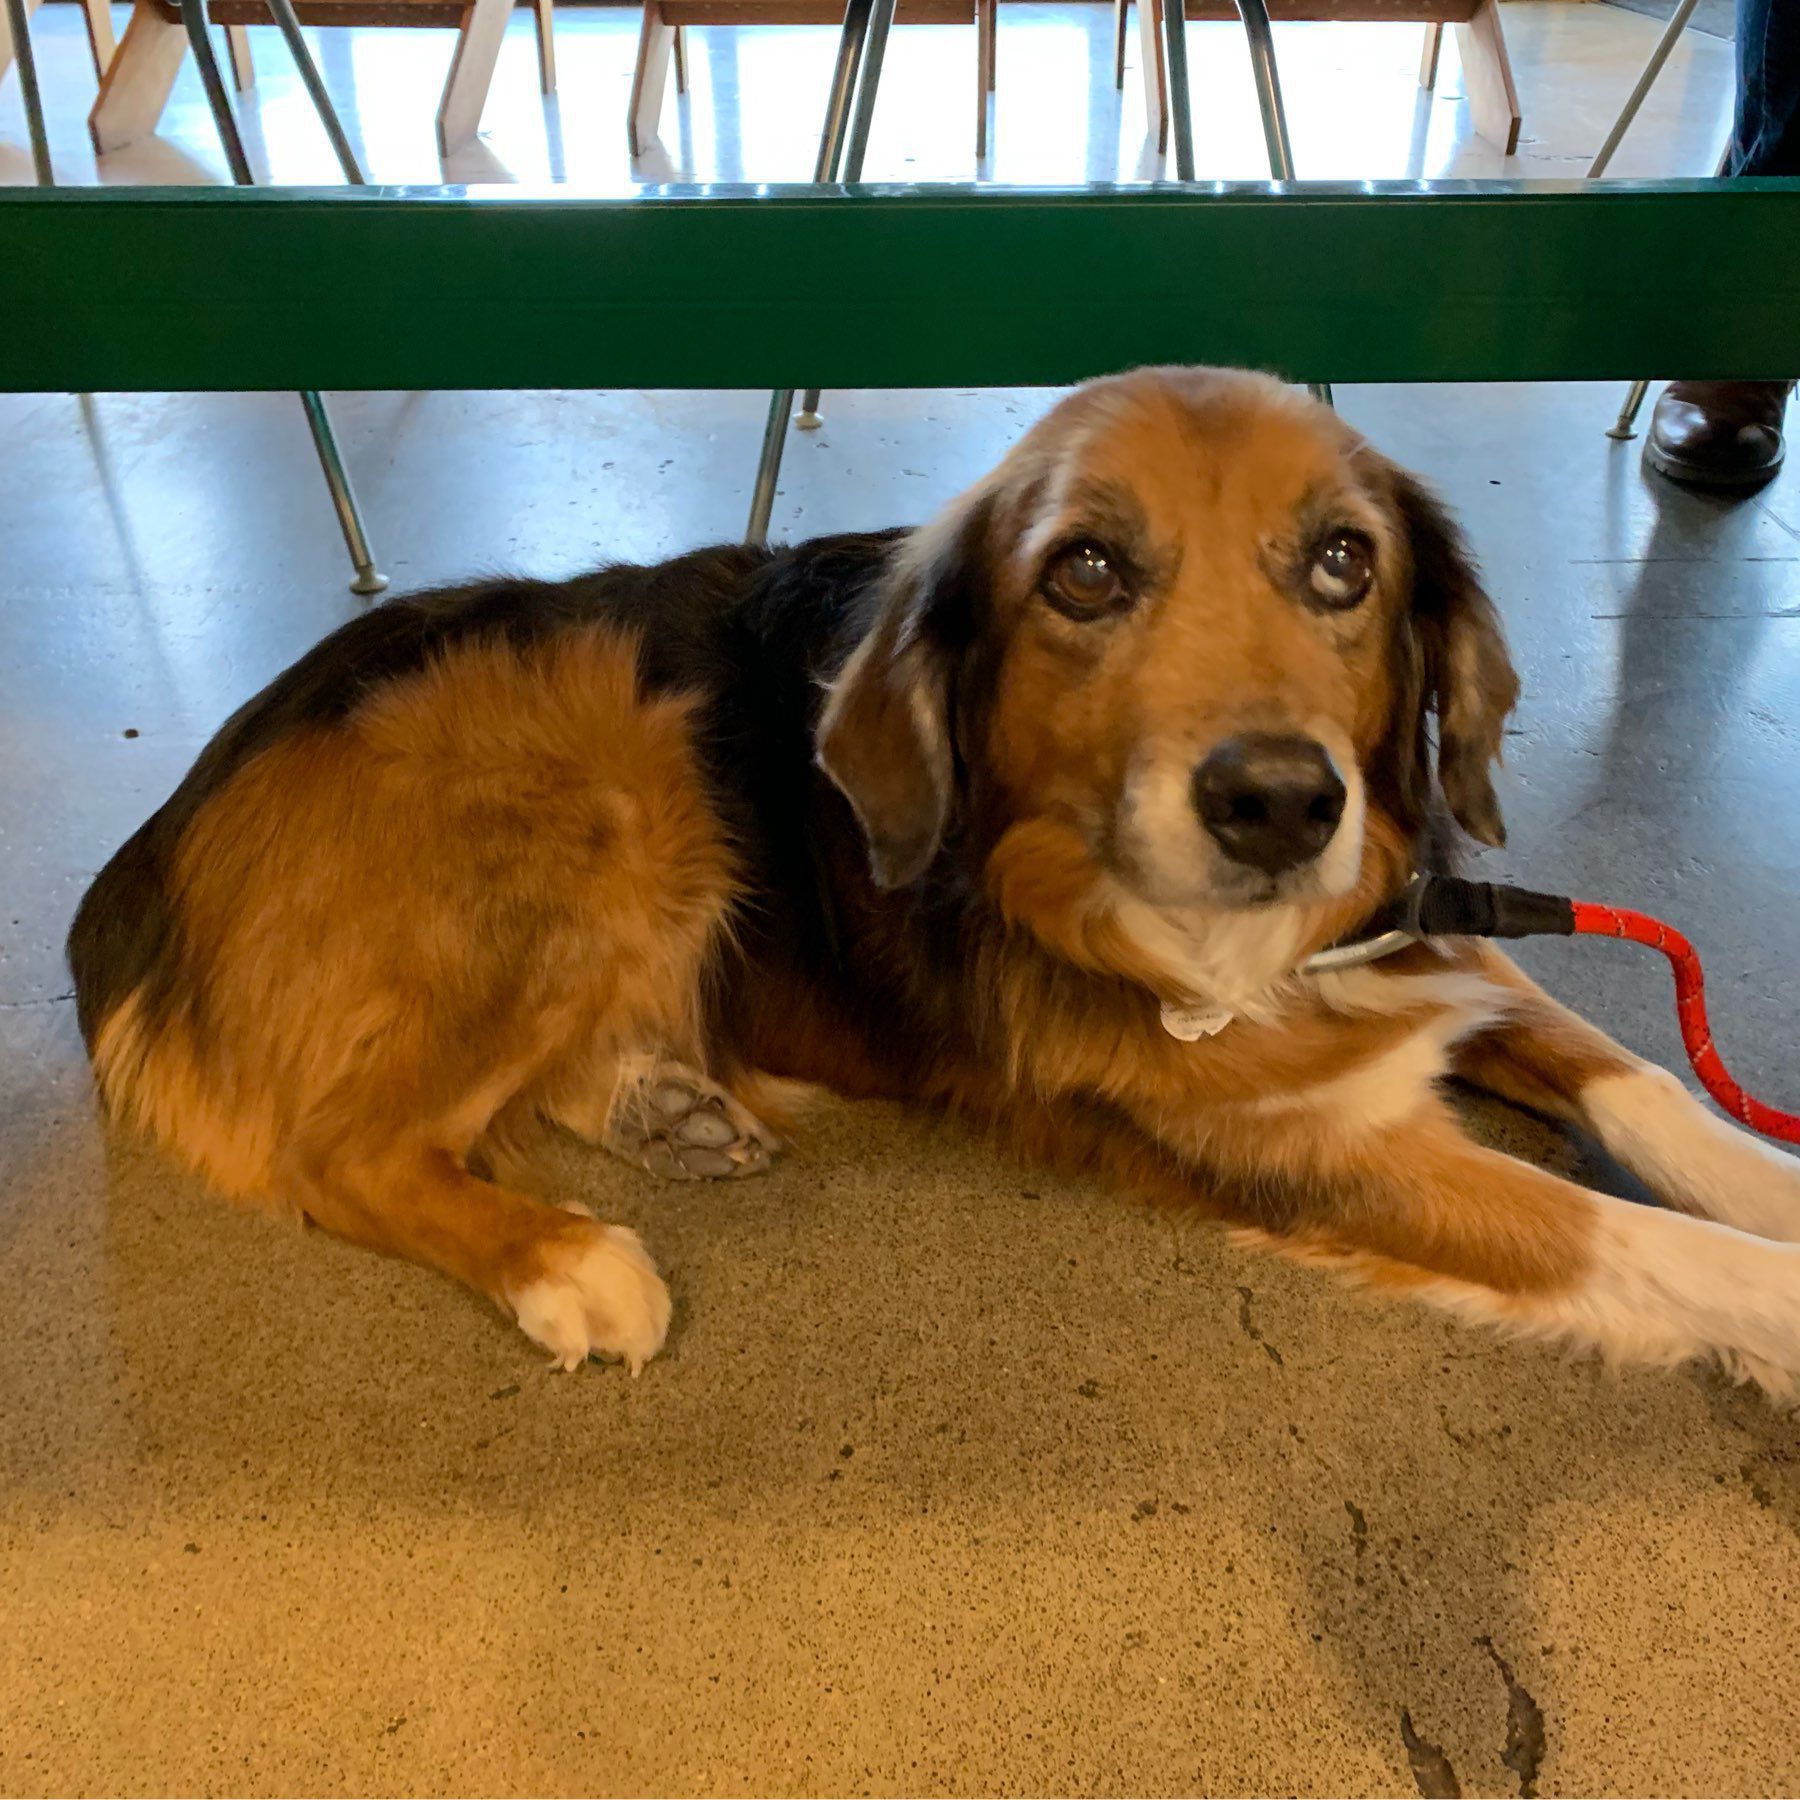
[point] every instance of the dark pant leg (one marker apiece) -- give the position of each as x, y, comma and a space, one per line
1766, 135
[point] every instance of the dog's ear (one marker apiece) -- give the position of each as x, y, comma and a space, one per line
885, 736
1460, 669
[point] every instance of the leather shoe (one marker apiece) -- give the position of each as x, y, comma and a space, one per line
1718, 433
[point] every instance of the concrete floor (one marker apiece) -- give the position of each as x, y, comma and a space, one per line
954, 1478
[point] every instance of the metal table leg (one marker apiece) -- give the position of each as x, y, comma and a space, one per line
368, 579
768, 467
1653, 68
881, 20
831, 140
193, 17
1255, 16
28, 92
808, 419
1181, 118
1625, 425
860, 48
315, 89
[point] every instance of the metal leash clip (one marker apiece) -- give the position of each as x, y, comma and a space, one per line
1406, 908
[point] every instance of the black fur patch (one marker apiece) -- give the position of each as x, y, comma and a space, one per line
712, 621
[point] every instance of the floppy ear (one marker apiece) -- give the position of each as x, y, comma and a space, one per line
885, 735
1461, 669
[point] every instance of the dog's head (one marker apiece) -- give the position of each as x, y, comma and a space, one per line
1194, 621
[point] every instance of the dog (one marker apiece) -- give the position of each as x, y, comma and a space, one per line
1030, 815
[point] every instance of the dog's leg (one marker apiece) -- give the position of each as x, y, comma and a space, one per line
1546, 1057
670, 1119
1418, 1207
1413, 1205
575, 1286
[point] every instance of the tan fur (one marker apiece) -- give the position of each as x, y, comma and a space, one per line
536, 879
1546, 1055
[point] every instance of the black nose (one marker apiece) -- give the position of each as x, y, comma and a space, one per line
1271, 802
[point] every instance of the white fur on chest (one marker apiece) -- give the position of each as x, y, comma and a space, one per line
1244, 964
1239, 962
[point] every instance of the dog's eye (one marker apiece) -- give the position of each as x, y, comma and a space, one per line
1083, 580
1343, 568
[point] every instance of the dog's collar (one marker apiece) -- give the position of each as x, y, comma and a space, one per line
1393, 928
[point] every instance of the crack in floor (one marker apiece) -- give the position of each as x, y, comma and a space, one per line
1248, 1327
1431, 1771
1524, 1752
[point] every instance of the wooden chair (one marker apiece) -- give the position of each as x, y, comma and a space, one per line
661, 41
136, 87
99, 32
1493, 98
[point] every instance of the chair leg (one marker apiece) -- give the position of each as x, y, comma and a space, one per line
854, 46
19, 30
1487, 73
649, 79
1255, 15
98, 17
471, 72
543, 13
135, 88
367, 578
1625, 425
243, 60
992, 10
680, 59
1121, 25
1428, 55
1652, 68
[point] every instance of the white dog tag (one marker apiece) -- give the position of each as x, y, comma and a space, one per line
1191, 1022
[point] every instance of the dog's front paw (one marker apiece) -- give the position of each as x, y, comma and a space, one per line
681, 1125
599, 1295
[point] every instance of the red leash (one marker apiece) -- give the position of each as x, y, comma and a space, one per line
1445, 906
1690, 1006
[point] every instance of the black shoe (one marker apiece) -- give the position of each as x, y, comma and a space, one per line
1718, 433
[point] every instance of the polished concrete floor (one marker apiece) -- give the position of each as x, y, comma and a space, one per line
954, 1478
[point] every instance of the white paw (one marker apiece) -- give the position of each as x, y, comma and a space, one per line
603, 1297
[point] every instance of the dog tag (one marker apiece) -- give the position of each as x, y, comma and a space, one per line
1191, 1022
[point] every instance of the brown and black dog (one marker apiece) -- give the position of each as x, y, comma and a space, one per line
975, 816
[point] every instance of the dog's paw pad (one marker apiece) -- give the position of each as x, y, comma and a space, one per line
680, 1125
600, 1297
673, 1099
709, 1130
